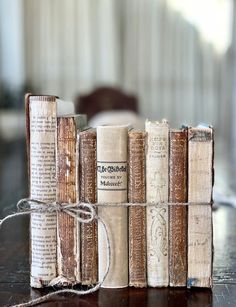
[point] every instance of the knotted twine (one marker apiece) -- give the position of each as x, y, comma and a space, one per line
83, 213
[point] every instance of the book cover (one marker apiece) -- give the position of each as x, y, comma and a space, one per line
157, 165
200, 180
88, 193
112, 188
41, 112
178, 168
67, 250
137, 214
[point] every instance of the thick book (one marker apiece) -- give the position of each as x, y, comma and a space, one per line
68, 261
178, 167
200, 181
157, 164
41, 125
88, 193
112, 188
137, 214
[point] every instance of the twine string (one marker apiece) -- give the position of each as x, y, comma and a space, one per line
83, 213
96, 287
78, 210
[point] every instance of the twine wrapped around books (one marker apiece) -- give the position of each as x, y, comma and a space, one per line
83, 213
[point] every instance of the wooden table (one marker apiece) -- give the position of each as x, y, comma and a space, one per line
14, 266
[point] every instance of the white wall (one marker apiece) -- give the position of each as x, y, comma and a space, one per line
67, 47
142, 46
12, 68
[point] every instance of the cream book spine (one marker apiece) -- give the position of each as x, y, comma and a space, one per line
41, 125
41, 114
200, 182
157, 159
112, 188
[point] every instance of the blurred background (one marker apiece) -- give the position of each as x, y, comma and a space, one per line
156, 58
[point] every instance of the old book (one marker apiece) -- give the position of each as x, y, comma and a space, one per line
137, 214
200, 169
112, 188
41, 114
178, 166
88, 193
67, 241
157, 164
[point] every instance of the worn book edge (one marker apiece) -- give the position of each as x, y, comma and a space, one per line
88, 192
77, 122
178, 192
137, 215
206, 134
157, 249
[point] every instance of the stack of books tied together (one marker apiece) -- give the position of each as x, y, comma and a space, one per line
163, 238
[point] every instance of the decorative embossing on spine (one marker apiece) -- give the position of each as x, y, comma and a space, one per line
159, 231
137, 215
88, 193
178, 214
157, 158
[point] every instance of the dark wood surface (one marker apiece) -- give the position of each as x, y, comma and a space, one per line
14, 265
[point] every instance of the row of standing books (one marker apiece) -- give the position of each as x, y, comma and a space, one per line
167, 244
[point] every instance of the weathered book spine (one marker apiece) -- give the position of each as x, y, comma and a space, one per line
112, 187
88, 193
200, 245
137, 215
41, 128
66, 193
178, 214
157, 164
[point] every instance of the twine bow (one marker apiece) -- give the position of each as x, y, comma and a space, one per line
83, 213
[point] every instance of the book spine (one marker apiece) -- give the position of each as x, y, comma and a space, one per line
66, 192
157, 163
88, 193
112, 187
178, 214
41, 123
200, 167
137, 215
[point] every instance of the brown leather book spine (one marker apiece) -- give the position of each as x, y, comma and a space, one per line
137, 214
88, 193
66, 192
178, 214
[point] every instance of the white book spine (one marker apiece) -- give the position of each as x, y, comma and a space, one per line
112, 187
157, 159
42, 174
